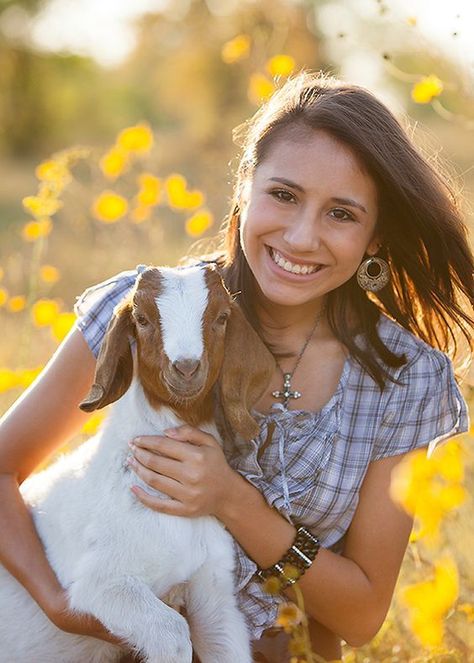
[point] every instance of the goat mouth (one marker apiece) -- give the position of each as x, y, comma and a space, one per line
183, 392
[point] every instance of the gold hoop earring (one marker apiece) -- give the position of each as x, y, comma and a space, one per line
373, 274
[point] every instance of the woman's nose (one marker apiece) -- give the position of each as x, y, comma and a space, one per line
303, 233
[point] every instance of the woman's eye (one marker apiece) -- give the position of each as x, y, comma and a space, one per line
283, 195
342, 214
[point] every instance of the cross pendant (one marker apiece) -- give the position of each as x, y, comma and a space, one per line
286, 394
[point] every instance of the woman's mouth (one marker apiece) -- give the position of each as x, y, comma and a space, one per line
292, 267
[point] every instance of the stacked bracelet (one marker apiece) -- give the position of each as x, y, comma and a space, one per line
295, 561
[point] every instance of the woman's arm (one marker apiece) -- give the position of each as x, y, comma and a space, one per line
348, 594
43, 418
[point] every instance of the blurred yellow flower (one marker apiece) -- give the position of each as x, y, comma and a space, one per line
149, 193
289, 616
272, 585
8, 379
178, 196
3, 296
140, 214
412, 21
33, 230
236, 49
93, 423
198, 223
114, 162
61, 325
281, 65
26, 376
49, 274
260, 88
44, 312
109, 207
429, 601
42, 206
425, 90
468, 610
53, 171
17, 303
136, 139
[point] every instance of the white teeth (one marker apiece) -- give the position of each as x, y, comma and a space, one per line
291, 267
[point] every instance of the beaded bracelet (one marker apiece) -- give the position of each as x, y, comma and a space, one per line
297, 559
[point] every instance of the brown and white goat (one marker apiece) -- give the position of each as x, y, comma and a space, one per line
120, 561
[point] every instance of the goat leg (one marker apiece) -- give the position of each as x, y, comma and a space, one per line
130, 610
218, 629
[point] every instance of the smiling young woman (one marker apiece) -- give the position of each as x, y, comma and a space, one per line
348, 254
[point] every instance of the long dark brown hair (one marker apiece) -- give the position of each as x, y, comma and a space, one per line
420, 225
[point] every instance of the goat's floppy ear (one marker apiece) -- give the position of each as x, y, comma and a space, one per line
114, 369
246, 371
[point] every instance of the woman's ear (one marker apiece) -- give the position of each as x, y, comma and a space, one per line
114, 370
246, 371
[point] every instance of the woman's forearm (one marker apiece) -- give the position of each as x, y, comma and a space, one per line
336, 591
21, 550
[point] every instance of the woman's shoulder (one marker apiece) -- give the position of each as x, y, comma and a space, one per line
420, 357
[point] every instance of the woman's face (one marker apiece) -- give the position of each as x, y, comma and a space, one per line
308, 217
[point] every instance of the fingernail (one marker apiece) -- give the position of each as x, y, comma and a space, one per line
132, 445
171, 432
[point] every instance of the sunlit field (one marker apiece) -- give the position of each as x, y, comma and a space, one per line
149, 174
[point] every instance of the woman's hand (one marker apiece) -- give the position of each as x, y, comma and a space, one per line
188, 465
67, 620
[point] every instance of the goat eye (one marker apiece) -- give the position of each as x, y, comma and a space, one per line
222, 318
141, 320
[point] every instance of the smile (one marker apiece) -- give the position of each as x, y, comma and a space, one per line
292, 267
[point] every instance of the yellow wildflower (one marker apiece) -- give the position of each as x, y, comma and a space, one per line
114, 162
8, 379
198, 223
3, 296
17, 303
28, 375
33, 230
429, 601
136, 139
281, 65
426, 89
42, 206
109, 207
150, 190
49, 274
61, 325
468, 610
44, 312
289, 616
93, 423
236, 49
140, 214
272, 585
260, 88
178, 196
53, 171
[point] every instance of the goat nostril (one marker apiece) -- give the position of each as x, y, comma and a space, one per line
187, 367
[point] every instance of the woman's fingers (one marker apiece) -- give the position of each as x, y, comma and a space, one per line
161, 464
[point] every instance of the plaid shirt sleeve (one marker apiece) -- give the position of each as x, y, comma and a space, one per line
94, 307
425, 410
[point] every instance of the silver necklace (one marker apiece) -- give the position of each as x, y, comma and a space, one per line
286, 393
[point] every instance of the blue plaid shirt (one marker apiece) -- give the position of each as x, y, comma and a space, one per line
314, 465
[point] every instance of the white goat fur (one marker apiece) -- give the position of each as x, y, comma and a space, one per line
120, 560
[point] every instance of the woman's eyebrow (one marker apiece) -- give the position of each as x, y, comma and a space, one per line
350, 202
282, 180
